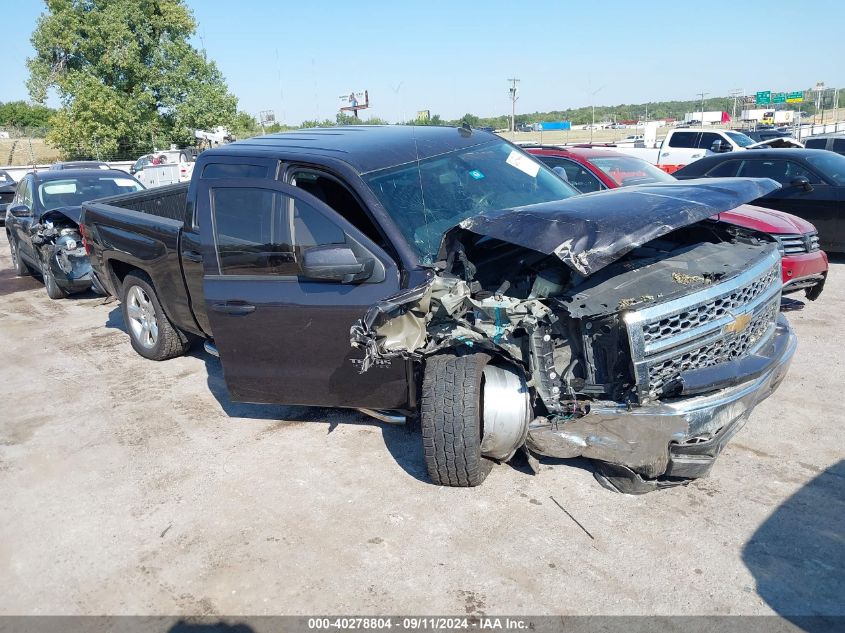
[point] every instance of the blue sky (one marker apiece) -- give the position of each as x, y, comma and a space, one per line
297, 58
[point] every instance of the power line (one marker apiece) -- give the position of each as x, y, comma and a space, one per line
513, 90
736, 93
702, 95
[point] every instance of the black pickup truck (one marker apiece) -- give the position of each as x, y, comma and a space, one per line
444, 273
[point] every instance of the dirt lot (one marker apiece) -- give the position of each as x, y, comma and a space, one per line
129, 487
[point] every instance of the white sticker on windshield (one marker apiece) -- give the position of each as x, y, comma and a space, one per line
124, 182
523, 163
54, 188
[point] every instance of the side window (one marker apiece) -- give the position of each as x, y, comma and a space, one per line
797, 170
683, 139
20, 189
779, 169
340, 199
725, 169
707, 139
25, 192
816, 143
264, 232
233, 170
577, 175
252, 232
838, 145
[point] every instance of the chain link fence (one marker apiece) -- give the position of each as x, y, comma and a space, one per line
28, 146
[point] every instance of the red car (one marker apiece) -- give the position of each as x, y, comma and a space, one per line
591, 169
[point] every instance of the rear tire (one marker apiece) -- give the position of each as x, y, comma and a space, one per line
152, 334
451, 419
21, 269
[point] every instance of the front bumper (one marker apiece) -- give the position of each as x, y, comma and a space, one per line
805, 271
643, 448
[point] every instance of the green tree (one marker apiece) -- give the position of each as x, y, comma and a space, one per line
125, 74
22, 114
244, 125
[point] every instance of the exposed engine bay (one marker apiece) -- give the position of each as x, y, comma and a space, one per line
57, 239
607, 339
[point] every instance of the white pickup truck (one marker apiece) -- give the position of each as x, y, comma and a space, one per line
685, 145
167, 167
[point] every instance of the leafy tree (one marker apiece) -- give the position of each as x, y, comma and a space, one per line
125, 74
469, 119
23, 114
244, 125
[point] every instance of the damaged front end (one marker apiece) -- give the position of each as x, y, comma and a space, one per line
57, 240
645, 333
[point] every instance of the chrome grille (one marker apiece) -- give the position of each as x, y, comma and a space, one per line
720, 322
686, 320
719, 351
794, 243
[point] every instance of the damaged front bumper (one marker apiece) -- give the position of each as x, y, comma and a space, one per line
640, 449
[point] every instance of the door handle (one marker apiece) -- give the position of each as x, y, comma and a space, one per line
193, 256
235, 308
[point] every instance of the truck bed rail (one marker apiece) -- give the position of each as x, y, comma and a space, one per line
165, 202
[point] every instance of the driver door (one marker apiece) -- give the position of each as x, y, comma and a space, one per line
21, 226
282, 335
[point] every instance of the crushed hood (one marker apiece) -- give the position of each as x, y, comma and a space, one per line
779, 142
589, 232
71, 213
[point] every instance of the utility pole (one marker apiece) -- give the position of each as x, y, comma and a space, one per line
512, 90
735, 93
702, 95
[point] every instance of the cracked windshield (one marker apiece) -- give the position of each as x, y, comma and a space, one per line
430, 196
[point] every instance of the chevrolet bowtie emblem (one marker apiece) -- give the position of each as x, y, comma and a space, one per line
739, 323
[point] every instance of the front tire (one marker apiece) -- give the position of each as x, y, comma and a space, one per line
451, 417
152, 334
53, 289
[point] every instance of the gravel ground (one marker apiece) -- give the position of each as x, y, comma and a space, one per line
134, 487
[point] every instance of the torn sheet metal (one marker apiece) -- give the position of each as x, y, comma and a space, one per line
442, 313
591, 231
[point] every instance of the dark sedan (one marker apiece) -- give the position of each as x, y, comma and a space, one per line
42, 224
813, 184
7, 192
80, 164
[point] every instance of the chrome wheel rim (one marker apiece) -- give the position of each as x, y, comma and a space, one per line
142, 317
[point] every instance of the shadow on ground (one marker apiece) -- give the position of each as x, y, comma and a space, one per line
797, 557
403, 442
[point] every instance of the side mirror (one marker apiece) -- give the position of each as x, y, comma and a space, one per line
132, 170
335, 263
720, 147
803, 183
21, 211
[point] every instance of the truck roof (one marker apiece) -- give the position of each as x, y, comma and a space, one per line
365, 147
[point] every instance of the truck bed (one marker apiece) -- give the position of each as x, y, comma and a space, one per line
141, 231
165, 202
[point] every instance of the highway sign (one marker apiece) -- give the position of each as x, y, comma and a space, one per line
795, 97
763, 97
779, 97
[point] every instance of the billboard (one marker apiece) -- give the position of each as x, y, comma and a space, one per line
546, 126
354, 100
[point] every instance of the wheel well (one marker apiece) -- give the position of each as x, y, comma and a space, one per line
119, 270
